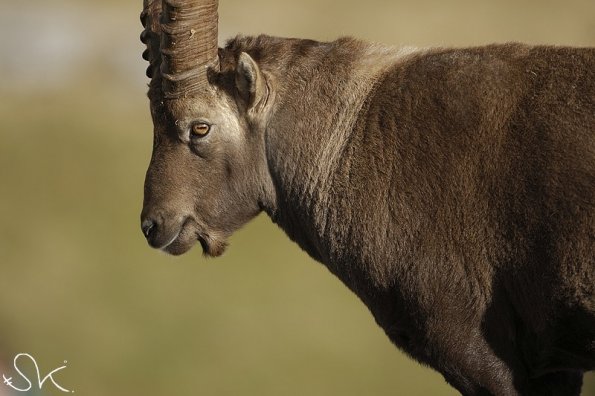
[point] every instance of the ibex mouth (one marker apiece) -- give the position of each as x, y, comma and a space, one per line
186, 238
182, 240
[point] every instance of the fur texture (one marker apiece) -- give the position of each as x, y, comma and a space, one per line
453, 190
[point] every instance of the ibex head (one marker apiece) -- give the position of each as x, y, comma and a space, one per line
208, 172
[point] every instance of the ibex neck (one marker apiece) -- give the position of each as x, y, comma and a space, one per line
322, 94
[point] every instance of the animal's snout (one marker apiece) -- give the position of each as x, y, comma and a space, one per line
148, 226
156, 232
162, 229
173, 233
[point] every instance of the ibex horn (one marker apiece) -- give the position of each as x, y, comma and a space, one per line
188, 45
151, 36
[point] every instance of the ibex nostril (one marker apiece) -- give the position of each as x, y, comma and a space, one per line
148, 226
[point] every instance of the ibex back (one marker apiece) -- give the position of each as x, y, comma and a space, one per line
453, 190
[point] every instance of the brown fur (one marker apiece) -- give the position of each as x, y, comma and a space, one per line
453, 190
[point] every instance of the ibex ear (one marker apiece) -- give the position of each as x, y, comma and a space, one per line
250, 81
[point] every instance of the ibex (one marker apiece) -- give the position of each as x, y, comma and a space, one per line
452, 190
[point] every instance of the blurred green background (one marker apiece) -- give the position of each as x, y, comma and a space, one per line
79, 283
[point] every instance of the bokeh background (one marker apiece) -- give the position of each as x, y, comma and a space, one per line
78, 282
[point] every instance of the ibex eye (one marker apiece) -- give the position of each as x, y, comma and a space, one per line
200, 129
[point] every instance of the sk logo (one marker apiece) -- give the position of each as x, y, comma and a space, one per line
40, 381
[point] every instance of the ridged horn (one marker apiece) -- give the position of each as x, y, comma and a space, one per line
151, 36
188, 45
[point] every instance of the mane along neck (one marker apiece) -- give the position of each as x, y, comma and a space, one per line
321, 94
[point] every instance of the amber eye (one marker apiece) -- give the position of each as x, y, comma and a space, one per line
200, 129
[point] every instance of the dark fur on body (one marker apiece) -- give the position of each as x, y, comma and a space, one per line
453, 190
